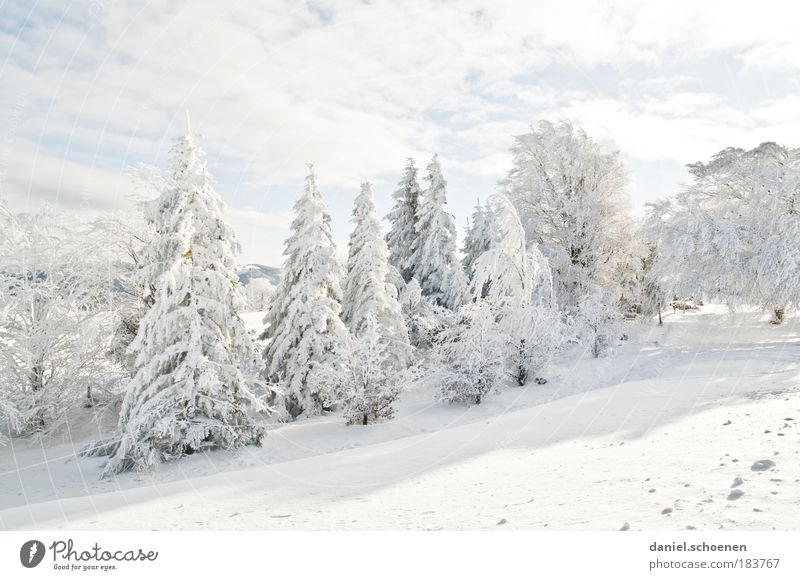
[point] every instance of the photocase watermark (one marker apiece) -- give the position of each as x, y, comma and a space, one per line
66, 556
31, 553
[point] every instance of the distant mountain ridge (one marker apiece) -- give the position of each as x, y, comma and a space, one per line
250, 272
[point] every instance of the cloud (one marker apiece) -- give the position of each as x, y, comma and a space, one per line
685, 127
29, 175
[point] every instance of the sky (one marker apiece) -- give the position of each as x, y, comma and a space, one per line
92, 89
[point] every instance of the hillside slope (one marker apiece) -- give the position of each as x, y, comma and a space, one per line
654, 437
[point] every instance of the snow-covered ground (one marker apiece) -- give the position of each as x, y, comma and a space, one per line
663, 435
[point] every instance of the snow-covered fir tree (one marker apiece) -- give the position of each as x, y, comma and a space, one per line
737, 227
457, 288
473, 355
434, 247
195, 363
403, 219
572, 200
304, 330
477, 238
368, 381
367, 292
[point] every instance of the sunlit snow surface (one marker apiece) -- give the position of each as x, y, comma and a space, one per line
654, 437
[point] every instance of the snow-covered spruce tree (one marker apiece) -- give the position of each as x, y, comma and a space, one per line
434, 247
304, 331
572, 200
195, 363
477, 238
473, 354
368, 381
403, 219
737, 226
367, 292
457, 287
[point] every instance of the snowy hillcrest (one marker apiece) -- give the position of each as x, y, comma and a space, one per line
249, 272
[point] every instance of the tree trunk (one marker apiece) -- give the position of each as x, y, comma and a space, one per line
522, 372
596, 347
522, 376
37, 386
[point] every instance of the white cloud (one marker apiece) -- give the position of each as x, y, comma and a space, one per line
30, 175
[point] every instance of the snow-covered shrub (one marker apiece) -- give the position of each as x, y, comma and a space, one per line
536, 334
425, 321
473, 355
598, 323
56, 319
368, 381
8, 416
129, 241
650, 296
258, 292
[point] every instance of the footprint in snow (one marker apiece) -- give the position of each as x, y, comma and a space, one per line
737, 482
501, 522
762, 465
735, 494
